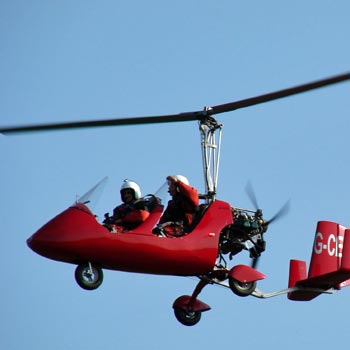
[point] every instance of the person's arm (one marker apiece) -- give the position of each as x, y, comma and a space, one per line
189, 192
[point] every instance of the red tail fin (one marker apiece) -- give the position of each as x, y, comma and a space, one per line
327, 250
329, 265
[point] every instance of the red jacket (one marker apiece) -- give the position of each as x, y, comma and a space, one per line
131, 215
181, 207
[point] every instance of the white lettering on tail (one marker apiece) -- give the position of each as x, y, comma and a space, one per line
333, 246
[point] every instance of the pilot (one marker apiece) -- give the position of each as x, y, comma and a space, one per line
177, 217
131, 213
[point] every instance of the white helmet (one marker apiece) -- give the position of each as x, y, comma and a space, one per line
133, 185
182, 179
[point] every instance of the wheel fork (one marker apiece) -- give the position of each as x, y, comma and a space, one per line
89, 274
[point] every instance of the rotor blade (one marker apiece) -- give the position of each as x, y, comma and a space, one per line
227, 107
282, 212
181, 117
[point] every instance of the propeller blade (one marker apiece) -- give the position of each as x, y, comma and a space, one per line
282, 212
251, 194
181, 117
254, 263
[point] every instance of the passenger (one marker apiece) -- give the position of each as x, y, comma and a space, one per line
131, 213
177, 217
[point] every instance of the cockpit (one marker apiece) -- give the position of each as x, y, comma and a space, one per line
155, 204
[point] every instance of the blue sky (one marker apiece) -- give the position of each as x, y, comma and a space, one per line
81, 60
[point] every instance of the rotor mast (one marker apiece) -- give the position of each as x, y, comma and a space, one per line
210, 132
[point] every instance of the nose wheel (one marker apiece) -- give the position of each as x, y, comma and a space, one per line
88, 276
187, 317
188, 309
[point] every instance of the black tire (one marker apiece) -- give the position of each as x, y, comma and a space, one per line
187, 318
242, 289
88, 279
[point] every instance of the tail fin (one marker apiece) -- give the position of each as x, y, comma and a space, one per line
327, 250
329, 265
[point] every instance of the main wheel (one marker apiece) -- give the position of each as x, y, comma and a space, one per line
242, 289
187, 318
88, 277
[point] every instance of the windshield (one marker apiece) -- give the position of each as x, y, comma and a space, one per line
162, 194
91, 197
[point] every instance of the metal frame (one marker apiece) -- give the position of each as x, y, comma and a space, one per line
211, 133
263, 295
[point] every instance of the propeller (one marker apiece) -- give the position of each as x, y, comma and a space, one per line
254, 263
278, 215
181, 117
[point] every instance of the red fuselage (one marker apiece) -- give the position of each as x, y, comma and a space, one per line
75, 236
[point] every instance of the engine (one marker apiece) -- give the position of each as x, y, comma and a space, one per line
246, 233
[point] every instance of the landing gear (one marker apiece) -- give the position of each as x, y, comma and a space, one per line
242, 289
88, 277
242, 280
186, 317
188, 309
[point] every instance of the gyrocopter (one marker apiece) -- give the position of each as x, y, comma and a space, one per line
219, 231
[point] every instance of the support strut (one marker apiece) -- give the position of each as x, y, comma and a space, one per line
201, 284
